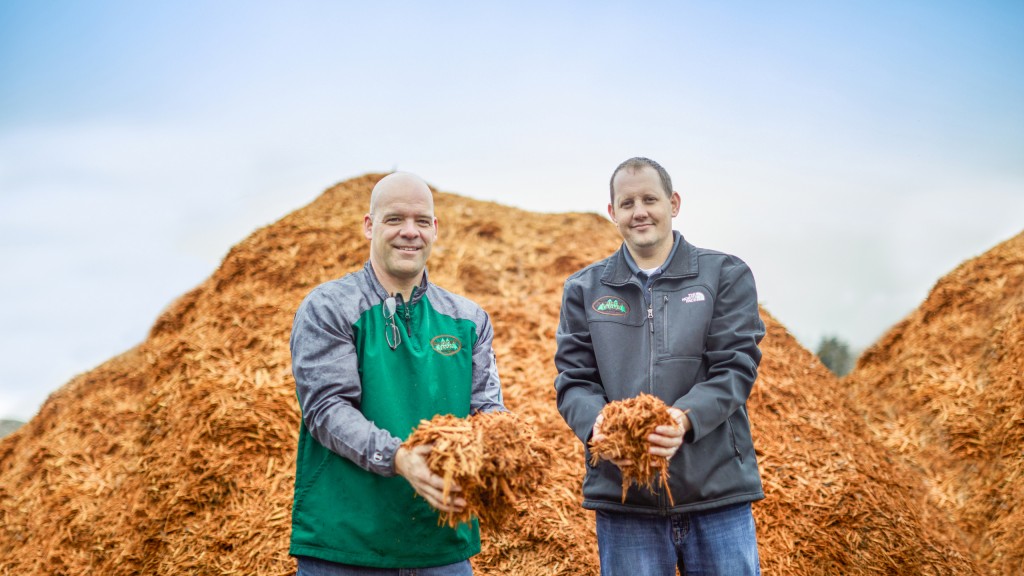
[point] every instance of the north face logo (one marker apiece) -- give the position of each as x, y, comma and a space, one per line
693, 297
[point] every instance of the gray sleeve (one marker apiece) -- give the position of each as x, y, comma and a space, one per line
326, 370
486, 394
732, 353
580, 394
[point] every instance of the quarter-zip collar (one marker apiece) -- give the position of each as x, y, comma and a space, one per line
417, 292
647, 278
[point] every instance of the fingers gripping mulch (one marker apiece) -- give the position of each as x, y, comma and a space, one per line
626, 427
494, 458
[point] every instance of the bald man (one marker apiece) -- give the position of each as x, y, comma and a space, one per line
373, 353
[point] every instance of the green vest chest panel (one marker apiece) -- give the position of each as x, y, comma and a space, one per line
429, 372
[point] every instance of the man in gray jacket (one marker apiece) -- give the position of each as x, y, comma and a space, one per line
663, 317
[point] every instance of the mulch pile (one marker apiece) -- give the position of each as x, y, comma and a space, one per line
626, 425
945, 389
494, 458
177, 457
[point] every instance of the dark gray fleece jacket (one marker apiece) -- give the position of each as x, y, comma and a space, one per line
695, 347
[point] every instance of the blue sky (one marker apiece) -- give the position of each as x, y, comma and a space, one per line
852, 153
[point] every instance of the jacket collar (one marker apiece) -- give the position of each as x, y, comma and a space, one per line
682, 263
417, 292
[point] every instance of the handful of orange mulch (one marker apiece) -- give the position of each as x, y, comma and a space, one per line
626, 426
495, 457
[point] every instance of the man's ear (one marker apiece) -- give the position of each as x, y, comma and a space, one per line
677, 201
368, 227
611, 213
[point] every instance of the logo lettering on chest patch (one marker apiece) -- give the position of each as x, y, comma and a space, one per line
446, 345
611, 306
694, 297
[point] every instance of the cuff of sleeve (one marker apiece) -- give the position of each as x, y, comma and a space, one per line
382, 461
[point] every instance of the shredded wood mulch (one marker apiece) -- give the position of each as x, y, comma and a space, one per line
494, 458
946, 392
177, 457
626, 426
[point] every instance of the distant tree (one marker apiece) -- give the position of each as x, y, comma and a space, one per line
8, 426
835, 355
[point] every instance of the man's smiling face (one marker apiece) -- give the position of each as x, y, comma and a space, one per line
643, 210
402, 229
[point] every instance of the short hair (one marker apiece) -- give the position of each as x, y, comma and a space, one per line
639, 163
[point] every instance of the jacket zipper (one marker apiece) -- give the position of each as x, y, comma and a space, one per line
407, 312
662, 497
650, 323
403, 308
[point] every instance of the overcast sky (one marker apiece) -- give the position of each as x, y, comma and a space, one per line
852, 153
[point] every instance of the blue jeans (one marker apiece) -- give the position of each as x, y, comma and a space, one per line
316, 567
718, 542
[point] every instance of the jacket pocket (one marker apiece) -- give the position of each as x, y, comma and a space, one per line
732, 438
683, 321
742, 439
674, 377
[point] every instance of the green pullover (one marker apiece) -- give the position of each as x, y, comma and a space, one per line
360, 398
